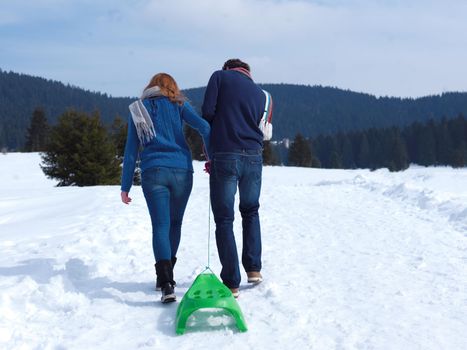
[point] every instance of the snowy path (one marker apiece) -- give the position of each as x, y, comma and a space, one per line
352, 260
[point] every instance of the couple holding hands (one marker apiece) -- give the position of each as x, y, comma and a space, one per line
233, 111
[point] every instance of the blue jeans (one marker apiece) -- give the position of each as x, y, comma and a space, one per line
166, 191
229, 170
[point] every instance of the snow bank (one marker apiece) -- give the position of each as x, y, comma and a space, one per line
351, 260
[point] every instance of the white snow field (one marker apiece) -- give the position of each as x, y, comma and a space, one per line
351, 260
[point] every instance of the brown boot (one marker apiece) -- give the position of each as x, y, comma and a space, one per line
254, 277
235, 292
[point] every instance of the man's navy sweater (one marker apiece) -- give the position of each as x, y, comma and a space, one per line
233, 105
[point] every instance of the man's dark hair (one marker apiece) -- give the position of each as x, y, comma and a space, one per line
235, 63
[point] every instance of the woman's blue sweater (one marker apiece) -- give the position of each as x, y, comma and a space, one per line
168, 148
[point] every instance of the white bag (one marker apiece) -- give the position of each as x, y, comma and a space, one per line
265, 125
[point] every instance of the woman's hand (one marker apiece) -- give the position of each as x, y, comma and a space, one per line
125, 198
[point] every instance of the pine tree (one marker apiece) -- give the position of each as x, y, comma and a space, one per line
459, 157
363, 159
38, 131
336, 161
118, 133
399, 159
316, 163
458, 131
410, 135
300, 152
195, 143
270, 156
325, 149
348, 160
376, 149
443, 143
426, 145
80, 152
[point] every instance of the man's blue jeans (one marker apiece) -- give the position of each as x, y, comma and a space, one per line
229, 170
166, 191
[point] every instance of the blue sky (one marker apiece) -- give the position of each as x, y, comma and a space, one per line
397, 48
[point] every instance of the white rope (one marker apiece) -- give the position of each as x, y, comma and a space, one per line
209, 233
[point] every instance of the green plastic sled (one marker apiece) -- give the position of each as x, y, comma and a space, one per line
207, 291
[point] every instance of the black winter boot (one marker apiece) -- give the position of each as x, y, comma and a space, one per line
158, 283
164, 273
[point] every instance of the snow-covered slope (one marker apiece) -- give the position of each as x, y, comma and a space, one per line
351, 260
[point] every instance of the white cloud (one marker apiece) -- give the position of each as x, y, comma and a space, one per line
382, 47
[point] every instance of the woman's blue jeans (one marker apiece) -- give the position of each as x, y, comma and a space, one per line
166, 191
229, 170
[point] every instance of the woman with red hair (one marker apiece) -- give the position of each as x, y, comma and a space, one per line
155, 133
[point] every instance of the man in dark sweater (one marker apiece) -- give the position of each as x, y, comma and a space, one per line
233, 105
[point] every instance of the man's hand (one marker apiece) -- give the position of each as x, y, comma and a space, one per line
125, 198
207, 167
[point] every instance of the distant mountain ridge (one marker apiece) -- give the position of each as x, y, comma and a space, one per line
315, 110
310, 110
21, 93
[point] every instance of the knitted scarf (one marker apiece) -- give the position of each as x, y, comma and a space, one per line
242, 70
140, 115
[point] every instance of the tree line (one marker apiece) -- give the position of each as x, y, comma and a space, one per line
441, 142
81, 150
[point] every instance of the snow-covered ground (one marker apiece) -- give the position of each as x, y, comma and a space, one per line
351, 260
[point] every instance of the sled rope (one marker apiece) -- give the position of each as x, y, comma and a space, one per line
209, 234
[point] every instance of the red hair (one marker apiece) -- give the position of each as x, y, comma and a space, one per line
168, 87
